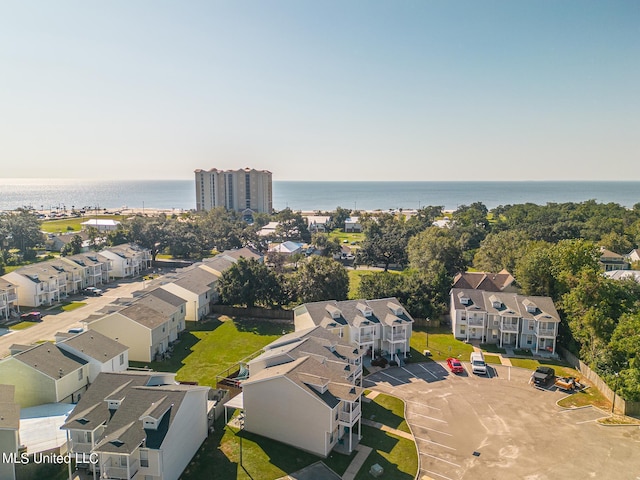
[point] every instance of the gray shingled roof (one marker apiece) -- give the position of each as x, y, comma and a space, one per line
198, 281
92, 411
51, 360
481, 301
95, 345
144, 315
9, 410
167, 296
350, 314
157, 304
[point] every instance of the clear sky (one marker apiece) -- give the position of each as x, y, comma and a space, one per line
321, 90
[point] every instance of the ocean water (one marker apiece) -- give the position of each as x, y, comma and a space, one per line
49, 194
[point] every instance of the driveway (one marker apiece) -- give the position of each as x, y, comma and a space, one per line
57, 321
499, 427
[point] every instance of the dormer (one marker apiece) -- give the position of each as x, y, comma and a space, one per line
395, 308
364, 309
113, 404
334, 311
319, 384
464, 299
154, 414
530, 306
495, 301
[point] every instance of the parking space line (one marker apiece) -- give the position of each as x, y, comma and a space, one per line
422, 405
434, 430
441, 459
410, 373
428, 371
431, 418
391, 376
436, 474
434, 443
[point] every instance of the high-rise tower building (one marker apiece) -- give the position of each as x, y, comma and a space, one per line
240, 190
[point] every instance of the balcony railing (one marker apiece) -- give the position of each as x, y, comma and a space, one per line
478, 322
546, 332
350, 417
395, 337
122, 473
364, 338
12, 298
509, 327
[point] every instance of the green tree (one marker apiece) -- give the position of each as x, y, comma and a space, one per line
616, 242
434, 250
328, 246
73, 247
21, 230
249, 283
292, 226
151, 233
339, 216
222, 229
385, 242
624, 350
501, 250
534, 271
321, 278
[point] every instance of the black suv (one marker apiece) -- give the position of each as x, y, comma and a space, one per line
543, 376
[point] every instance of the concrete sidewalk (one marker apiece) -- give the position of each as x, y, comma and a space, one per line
357, 462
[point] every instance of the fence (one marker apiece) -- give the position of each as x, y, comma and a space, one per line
284, 315
622, 406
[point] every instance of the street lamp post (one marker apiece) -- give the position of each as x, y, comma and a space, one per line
615, 390
241, 421
427, 330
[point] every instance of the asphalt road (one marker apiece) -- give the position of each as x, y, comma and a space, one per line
500, 427
55, 320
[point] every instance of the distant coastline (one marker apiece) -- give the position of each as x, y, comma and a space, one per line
179, 195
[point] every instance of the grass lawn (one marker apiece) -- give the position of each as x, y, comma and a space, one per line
494, 359
397, 455
441, 343
22, 325
207, 348
72, 306
262, 458
492, 348
561, 368
589, 396
349, 237
63, 224
387, 410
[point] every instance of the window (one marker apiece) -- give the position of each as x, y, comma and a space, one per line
122, 359
80, 374
463, 331
144, 458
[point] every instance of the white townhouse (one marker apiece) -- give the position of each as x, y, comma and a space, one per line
139, 425
8, 299
127, 260
304, 403
168, 305
101, 353
9, 430
72, 276
371, 325
45, 373
38, 285
141, 328
507, 319
318, 342
95, 269
197, 287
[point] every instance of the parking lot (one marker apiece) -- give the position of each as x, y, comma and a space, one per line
500, 427
54, 320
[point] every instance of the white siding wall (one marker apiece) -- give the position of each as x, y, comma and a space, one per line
291, 415
188, 431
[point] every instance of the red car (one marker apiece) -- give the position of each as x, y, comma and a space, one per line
454, 365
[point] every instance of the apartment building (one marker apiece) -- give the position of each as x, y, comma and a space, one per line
241, 190
371, 325
507, 319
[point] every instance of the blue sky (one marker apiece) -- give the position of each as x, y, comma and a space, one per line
321, 90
